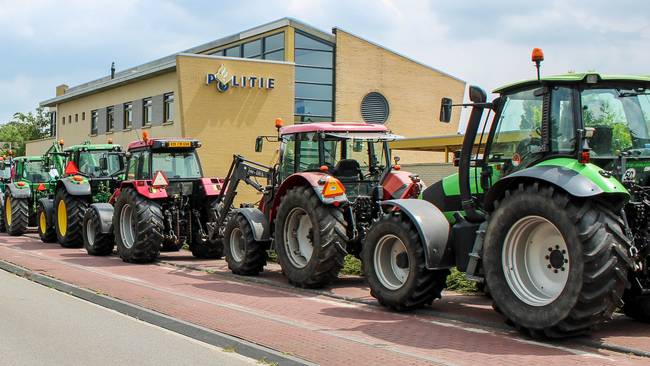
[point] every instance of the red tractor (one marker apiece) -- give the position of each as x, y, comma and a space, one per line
318, 202
163, 203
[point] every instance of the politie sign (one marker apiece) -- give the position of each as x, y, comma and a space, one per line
224, 81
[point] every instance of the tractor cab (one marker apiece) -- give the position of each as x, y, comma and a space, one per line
30, 169
5, 169
357, 154
94, 161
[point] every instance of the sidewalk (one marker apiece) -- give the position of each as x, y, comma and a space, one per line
312, 326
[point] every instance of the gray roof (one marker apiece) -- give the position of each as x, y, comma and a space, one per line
168, 63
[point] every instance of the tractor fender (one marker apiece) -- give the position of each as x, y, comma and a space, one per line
432, 227
75, 189
19, 192
310, 179
48, 207
258, 222
571, 181
105, 213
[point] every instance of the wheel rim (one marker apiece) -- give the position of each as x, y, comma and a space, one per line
90, 232
535, 261
42, 222
298, 237
391, 262
62, 217
237, 246
126, 226
8, 211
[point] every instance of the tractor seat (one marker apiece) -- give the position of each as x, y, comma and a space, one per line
348, 170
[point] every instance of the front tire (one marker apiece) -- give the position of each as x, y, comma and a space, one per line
16, 215
555, 265
309, 239
138, 226
394, 265
46, 230
69, 213
245, 255
96, 242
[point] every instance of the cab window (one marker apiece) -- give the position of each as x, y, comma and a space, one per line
287, 163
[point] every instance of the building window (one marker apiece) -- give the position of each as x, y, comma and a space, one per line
233, 51
374, 108
128, 115
253, 49
52, 124
314, 60
110, 119
93, 122
168, 102
147, 111
76, 117
83, 116
63, 120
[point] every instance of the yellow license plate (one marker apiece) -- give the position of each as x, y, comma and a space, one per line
180, 144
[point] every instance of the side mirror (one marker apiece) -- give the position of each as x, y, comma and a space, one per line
259, 142
445, 110
476, 94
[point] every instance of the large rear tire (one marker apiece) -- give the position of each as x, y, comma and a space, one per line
96, 242
202, 247
69, 214
138, 226
309, 239
16, 215
244, 255
46, 230
556, 265
394, 265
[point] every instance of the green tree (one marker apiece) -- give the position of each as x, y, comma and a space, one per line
24, 127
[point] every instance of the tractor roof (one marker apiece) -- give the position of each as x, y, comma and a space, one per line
160, 143
92, 147
573, 78
333, 127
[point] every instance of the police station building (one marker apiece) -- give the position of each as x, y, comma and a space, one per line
228, 91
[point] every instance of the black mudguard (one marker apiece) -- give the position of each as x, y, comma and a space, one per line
105, 213
18, 193
75, 189
258, 222
432, 227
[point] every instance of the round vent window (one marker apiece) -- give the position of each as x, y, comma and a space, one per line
374, 108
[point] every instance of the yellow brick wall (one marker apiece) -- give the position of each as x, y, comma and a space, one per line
78, 132
227, 123
413, 91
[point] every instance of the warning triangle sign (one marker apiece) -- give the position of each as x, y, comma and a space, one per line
160, 180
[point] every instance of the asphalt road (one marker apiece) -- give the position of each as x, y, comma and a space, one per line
42, 326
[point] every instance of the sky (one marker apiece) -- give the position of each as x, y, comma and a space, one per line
45, 43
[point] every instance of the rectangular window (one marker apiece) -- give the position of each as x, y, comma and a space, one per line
274, 42
63, 120
168, 101
93, 122
313, 107
83, 116
275, 55
52, 124
76, 117
321, 76
233, 51
128, 115
253, 49
69, 118
147, 111
110, 119
314, 91
314, 59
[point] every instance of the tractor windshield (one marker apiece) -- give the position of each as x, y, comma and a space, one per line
89, 163
177, 164
620, 118
35, 172
368, 150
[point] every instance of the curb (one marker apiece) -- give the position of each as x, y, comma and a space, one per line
209, 336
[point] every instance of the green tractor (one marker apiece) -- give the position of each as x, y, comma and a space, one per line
89, 173
5, 177
29, 182
549, 208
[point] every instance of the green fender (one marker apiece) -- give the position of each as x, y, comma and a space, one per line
577, 179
